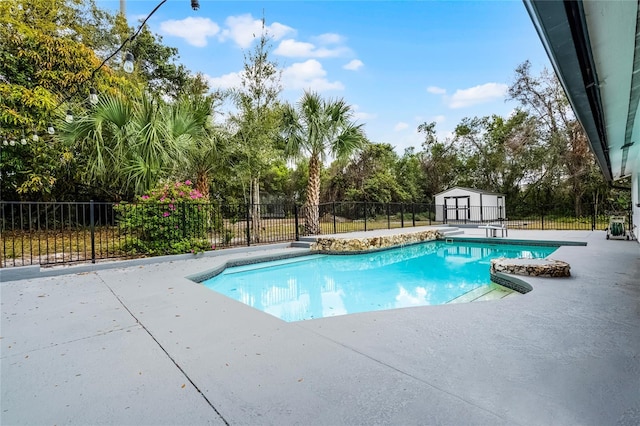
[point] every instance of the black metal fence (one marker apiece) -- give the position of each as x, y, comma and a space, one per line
546, 218
347, 216
65, 232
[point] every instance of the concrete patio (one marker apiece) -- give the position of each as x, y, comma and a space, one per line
142, 344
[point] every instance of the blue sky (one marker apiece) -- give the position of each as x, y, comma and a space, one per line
398, 63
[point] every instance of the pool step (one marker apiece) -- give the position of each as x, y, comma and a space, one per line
301, 244
484, 293
447, 232
308, 239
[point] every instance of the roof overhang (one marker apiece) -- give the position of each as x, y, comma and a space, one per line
594, 49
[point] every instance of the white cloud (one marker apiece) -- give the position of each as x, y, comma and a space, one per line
227, 81
328, 38
194, 30
354, 65
328, 45
294, 48
361, 115
400, 126
439, 118
436, 90
278, 30
308, 75
476, 95
243, 29
298, 49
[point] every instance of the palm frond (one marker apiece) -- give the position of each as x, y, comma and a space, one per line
350, 140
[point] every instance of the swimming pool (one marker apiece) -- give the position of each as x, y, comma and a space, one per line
320, 285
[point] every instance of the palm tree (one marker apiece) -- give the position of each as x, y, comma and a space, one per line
101, 139
204, 156
191, 122
318, 128
130, 144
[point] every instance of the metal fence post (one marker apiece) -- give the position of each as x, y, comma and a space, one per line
333, 211
295, 215
92, 226
402, 215
413, 214
248, 206
542, 219
593, 217
388, 216
184, 220
365, 215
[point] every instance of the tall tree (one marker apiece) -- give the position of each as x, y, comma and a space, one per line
156, 64
45, 69
257, 122
440, 162
500, 154
410, 173
370, 176
568, 155
318, 128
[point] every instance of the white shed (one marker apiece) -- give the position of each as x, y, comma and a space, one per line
470, 205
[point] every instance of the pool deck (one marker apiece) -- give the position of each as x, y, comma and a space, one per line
141, 344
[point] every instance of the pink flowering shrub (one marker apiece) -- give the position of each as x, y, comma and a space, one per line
171, 219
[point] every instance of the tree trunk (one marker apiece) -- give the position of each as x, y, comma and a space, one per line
577, 203
202, 184
255, 209
311, 211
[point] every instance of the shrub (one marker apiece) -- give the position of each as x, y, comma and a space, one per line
171, 219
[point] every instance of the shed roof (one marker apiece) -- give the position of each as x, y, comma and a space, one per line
477, 191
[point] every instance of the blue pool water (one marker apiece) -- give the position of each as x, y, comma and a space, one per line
318, 286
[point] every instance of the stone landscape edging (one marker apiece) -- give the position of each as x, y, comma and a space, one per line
370, 244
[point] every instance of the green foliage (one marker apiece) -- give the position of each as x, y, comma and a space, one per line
156, 65
567, 164
255, 126
127, 145
410, 175
499, 154
370, 176
171, 219
45, 65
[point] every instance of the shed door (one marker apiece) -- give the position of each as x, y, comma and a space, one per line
462, 211
457, 208
450, 204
